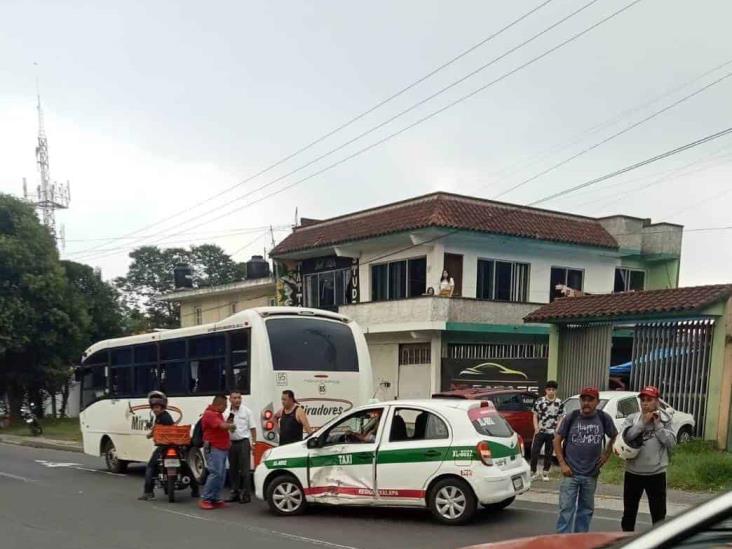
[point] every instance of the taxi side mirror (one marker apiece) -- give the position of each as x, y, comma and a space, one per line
313, 442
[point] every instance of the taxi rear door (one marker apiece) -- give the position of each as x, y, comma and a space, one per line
413, 446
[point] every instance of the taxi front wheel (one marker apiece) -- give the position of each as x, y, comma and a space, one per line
285, 496
452, 501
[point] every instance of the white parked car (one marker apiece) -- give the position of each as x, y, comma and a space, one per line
447, 455
621, 404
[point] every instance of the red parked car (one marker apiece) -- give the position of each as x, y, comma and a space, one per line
514, 405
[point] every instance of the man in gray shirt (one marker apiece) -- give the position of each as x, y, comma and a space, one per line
651, 430
578, 445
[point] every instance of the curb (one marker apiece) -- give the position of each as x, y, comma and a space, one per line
47, 444
612, 503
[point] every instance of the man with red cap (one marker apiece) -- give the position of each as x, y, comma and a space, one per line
578, 445
649, 430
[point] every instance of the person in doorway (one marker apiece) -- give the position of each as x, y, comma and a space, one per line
548, 410
578, 445
447, 284
243, 439
158, 403
216, 442
651, 430
292, 419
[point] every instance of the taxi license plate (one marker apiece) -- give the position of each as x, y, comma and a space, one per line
176, 463
518, 483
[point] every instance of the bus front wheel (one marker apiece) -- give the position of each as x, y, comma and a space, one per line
114, 464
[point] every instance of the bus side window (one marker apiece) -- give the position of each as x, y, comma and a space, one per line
146, 363
94, 381
206, 363
240, 368
173, 366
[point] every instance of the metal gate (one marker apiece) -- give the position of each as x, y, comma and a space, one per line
675, 357
584, 355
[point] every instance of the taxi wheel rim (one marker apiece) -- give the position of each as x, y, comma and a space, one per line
287, 497
451, 502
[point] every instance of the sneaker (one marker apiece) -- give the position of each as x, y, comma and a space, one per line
234, 498
545, 476
206, 505
147, 497
245, 498
219, 504
535, 476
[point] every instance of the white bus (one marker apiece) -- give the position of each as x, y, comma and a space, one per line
321, 356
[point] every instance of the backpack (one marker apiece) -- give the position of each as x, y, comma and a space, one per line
197, 437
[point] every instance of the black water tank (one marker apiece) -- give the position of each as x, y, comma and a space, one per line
257, 267
183, 275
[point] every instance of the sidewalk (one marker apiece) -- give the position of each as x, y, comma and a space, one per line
610, 496
41, 442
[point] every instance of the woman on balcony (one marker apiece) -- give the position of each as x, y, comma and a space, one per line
447, 284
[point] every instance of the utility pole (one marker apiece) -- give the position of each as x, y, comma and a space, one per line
49, 196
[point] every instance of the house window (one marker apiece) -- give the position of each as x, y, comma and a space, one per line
415, 353
627, 280
503, 280
399, 279
565, 276
198, 315
327, 290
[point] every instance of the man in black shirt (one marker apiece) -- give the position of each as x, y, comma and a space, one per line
158, 404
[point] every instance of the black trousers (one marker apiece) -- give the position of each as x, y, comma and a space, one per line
655, 488
240, 474
152, 470
547, 440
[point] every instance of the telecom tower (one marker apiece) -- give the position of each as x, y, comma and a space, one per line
50, 196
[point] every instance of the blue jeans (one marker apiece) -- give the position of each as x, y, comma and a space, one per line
216, 465
576, 503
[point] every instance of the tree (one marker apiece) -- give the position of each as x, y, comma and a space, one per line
151, 274
42, 324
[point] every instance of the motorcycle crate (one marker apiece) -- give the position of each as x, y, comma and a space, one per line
172, 435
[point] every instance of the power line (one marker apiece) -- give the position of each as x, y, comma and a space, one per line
569, 190
519, 166
355, 118
651, 160
613, 136
416, 123
233, 231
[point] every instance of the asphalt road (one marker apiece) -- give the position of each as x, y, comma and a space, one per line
64, 500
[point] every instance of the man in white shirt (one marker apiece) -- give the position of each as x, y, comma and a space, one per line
243, 439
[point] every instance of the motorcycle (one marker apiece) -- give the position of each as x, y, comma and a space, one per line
173, 471
30, 419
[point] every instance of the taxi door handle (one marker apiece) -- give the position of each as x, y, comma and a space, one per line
432, 453
364, 456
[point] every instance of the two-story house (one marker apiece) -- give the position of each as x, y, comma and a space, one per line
382, 267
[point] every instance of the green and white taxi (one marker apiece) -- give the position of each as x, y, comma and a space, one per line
446, 455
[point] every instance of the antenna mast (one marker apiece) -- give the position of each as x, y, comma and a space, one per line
51, 196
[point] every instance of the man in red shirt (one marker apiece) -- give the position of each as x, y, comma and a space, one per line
216, 443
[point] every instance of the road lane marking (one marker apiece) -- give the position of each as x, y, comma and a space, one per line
266, 531
556, 512
17, 477
77, 466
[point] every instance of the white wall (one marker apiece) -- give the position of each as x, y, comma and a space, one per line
598, 264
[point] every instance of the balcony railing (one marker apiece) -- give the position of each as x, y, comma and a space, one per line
435, 312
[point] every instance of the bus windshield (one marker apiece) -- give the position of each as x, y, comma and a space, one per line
311, 344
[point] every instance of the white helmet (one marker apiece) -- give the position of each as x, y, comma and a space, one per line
627, 450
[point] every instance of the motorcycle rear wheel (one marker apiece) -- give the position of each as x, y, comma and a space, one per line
171, 490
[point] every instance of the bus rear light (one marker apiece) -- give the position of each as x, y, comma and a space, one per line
269, 426
484, 451
268, 414
270, 436
521, 444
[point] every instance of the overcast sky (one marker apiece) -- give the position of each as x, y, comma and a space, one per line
153, 107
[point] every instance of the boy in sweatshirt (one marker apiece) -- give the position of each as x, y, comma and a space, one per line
647, 471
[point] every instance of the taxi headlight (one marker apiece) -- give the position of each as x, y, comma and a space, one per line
266, 454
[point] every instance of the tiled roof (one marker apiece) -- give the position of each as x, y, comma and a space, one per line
631, 304
449, 211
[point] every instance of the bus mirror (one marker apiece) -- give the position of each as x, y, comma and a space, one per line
313, 442
77, 374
